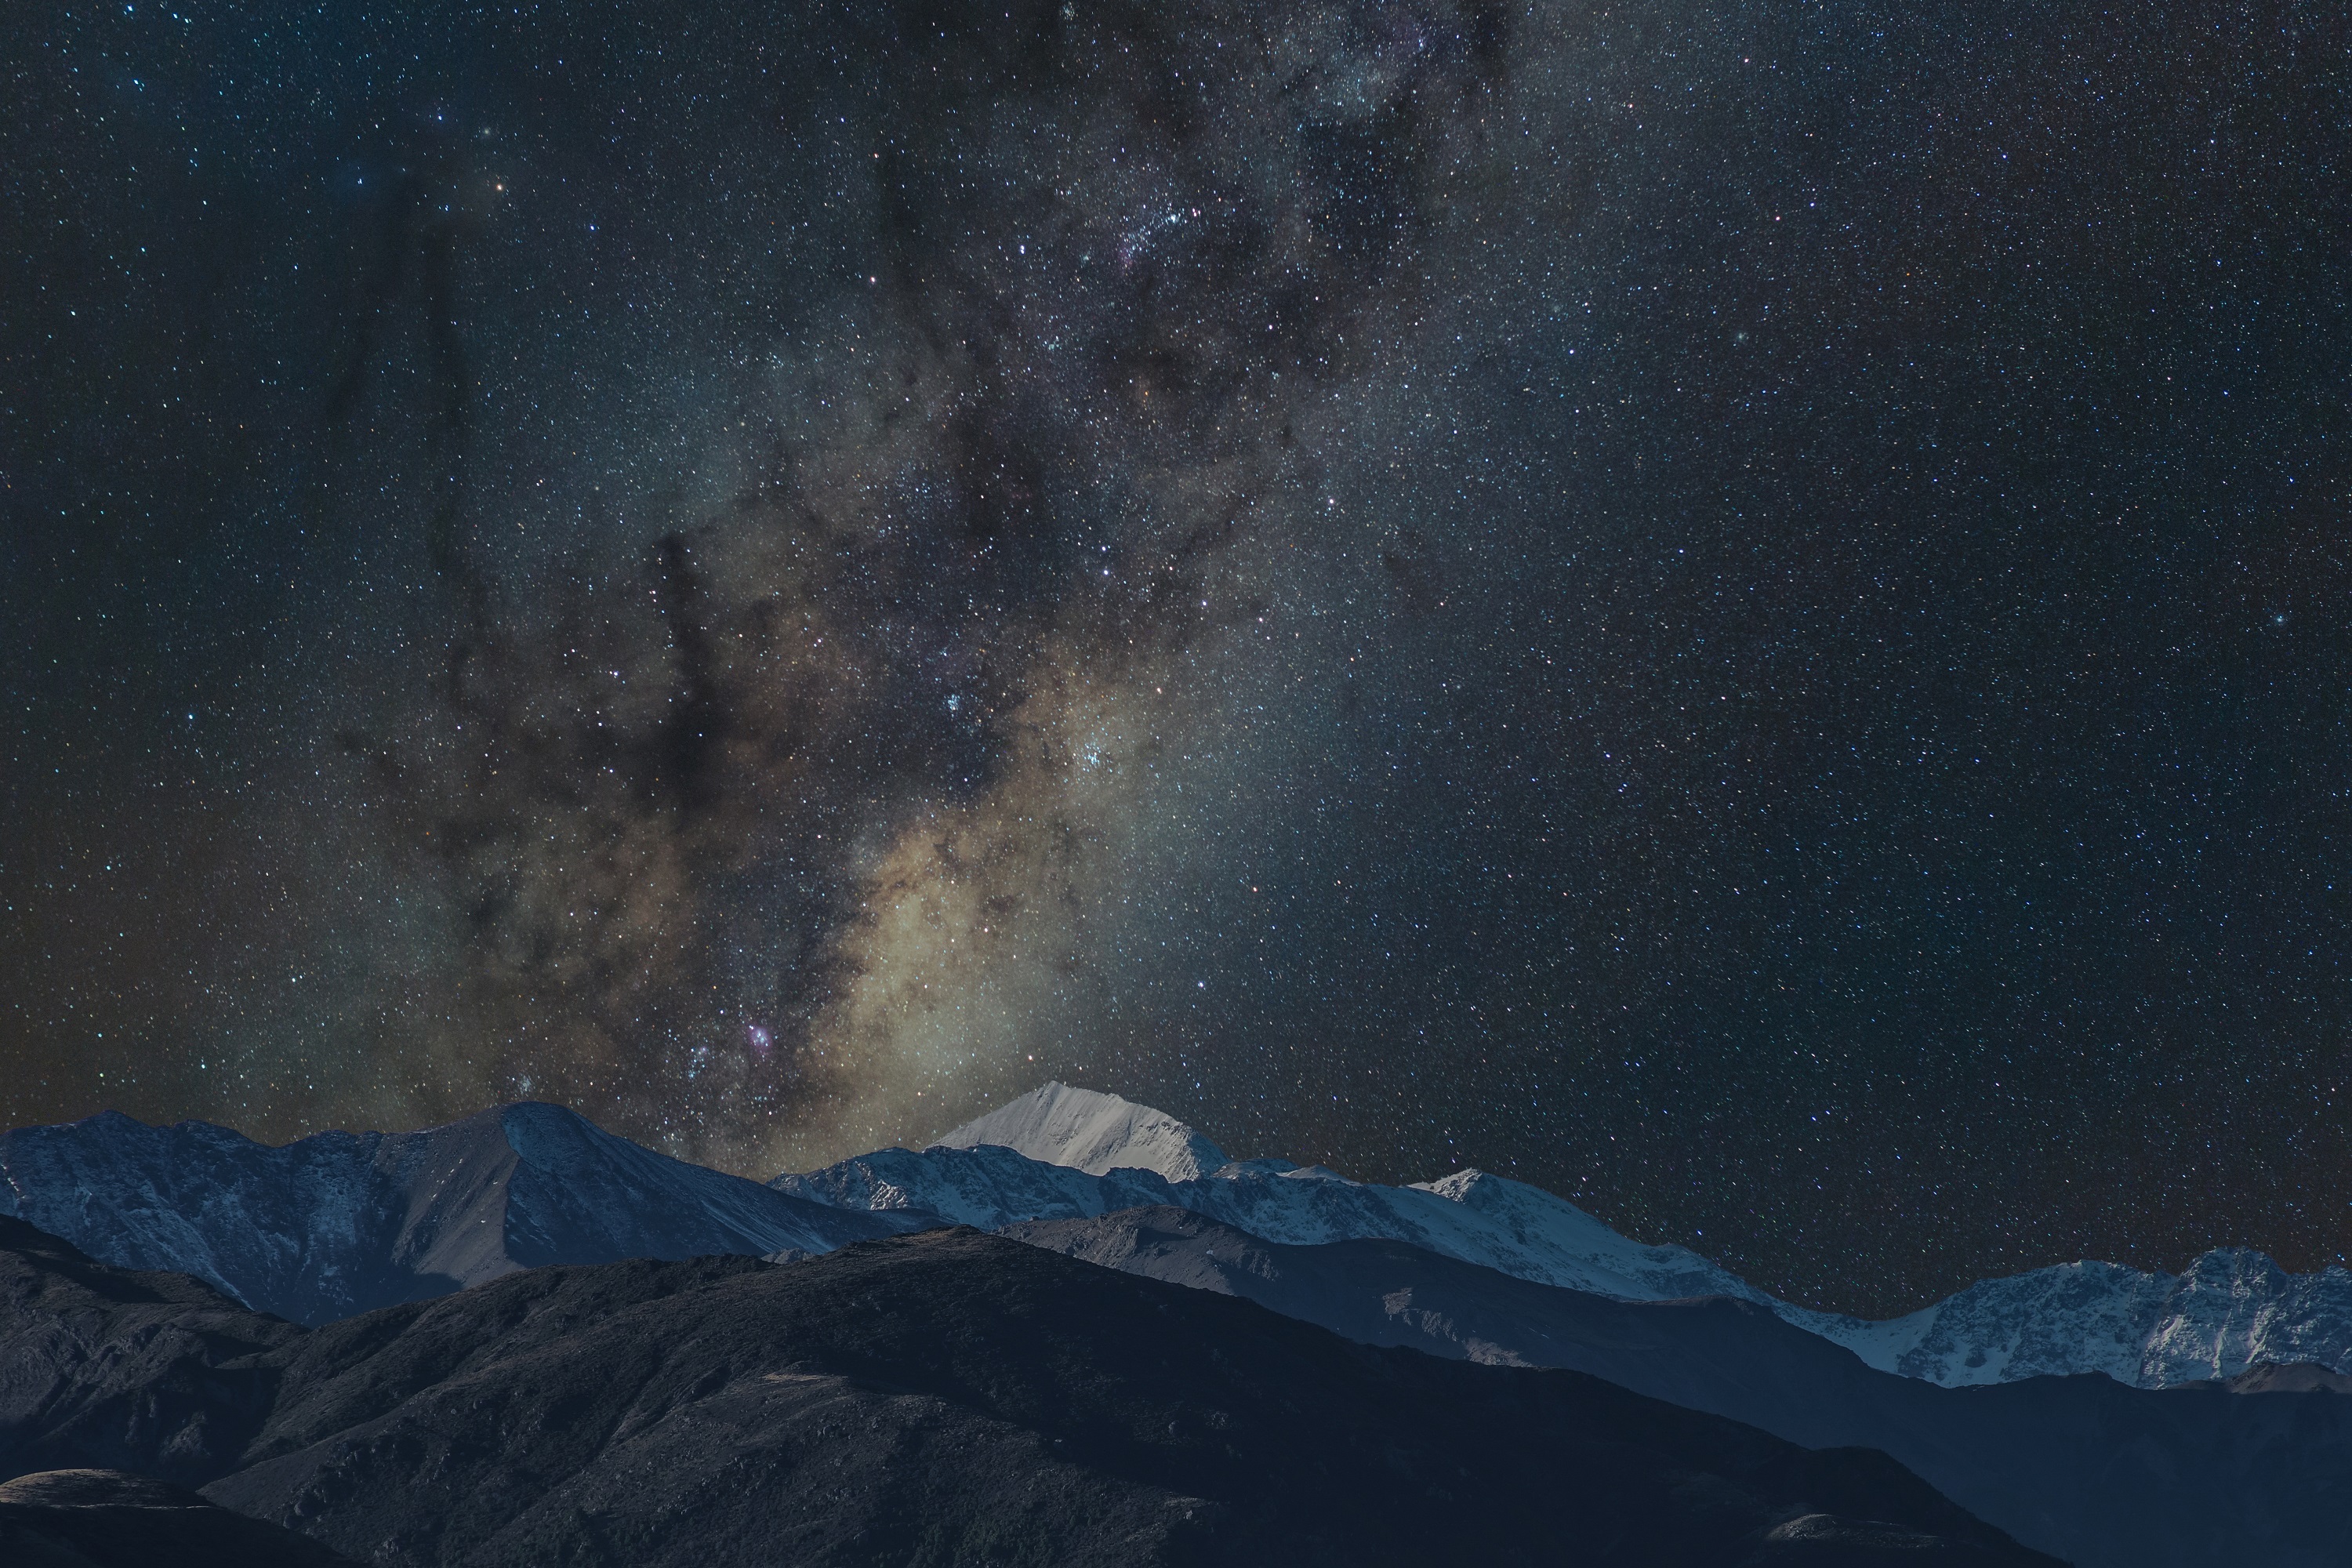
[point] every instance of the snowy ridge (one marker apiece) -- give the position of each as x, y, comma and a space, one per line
987, 1187
2230, 1310
1069, 1154
1079, 1154
344, 1222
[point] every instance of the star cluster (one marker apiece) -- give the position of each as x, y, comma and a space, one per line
1739, 611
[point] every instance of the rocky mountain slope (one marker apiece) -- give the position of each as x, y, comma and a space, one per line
2098, 1474
110, 1519
933, 1399
343, 1222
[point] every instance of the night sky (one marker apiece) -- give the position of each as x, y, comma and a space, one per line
1741, 610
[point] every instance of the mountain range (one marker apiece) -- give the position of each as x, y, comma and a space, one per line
346, 1222
928, 1400
341, 1223
1084, 1154
2112, 1417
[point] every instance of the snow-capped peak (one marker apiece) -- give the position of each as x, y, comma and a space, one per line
344, 1222
1097, 1133
1137, 1155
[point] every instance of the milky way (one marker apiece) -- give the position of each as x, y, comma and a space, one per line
1735, 610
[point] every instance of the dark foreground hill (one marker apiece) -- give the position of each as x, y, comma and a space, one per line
2101, 1474
106, 1518
943, 1398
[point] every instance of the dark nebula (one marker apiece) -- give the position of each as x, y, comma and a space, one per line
1740, 611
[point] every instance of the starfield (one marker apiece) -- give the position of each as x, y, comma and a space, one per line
1676, 653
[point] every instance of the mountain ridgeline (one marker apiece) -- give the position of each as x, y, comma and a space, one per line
2083, 1468
2106, 1417
934, 1399
344, 1223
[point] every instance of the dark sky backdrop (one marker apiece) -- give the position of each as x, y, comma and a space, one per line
1737, 609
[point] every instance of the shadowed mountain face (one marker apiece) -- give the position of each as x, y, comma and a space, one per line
101, 1368
344, 1222
2301, 1378
2085, 1467
109, 1519
942, 1398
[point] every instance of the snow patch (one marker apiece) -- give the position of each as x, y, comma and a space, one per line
1097, 1133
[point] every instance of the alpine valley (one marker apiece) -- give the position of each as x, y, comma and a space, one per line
2097, 1413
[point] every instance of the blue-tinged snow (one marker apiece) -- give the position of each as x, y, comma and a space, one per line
1061, 1152
2230, 1309
345, 1222
1092, 1133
